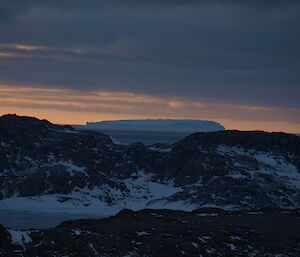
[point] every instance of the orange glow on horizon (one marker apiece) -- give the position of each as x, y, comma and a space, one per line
66, 106
81, 118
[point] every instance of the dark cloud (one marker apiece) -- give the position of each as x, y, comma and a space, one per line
221, 51
10, 9
76, 3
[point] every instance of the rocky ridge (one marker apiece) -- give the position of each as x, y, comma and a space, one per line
227, 169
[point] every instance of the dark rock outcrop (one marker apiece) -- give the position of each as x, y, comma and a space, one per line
160, 233
230, 169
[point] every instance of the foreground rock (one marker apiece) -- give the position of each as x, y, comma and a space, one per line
53, 166
160, 233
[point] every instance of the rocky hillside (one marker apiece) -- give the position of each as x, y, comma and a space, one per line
43, 165
160, 233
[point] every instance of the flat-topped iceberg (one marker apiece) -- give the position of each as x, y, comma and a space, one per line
158, 125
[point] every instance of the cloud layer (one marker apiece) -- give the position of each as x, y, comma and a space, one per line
220, 53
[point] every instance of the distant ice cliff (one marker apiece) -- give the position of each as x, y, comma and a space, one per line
159, 125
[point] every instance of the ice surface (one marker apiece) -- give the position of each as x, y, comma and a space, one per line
158, 125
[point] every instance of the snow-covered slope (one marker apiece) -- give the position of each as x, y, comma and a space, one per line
56, 168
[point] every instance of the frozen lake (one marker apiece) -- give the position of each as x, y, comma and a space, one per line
17, 219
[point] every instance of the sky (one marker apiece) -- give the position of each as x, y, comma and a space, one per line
236, 62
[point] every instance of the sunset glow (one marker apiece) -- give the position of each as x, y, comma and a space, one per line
65, 106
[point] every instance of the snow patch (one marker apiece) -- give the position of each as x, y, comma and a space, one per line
20, 237
71, 168
162, 150
268, 163
141, 192
143, 233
